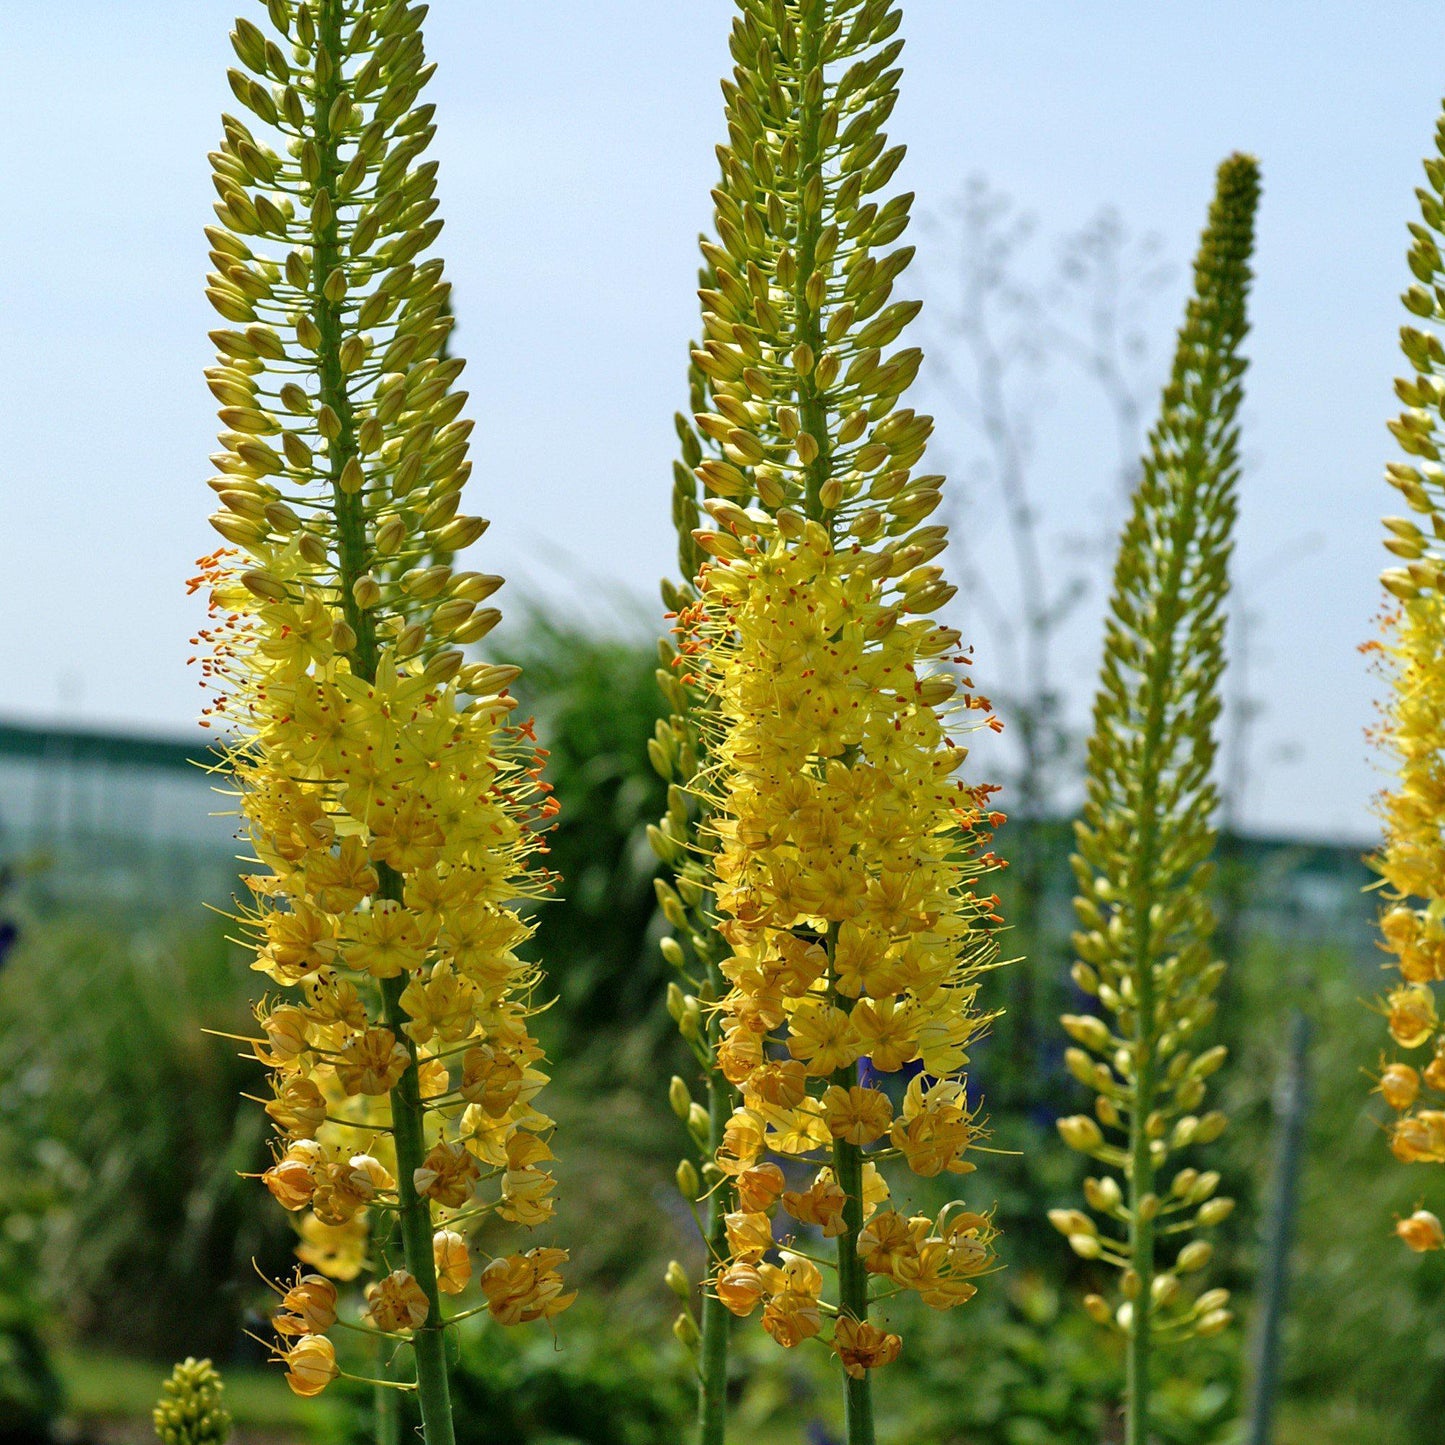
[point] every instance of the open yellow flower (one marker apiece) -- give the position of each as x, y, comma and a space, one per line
396, 1302
1421, 1231
307, 1308
453, 1261
525, 1287
310, 1364
862, 1346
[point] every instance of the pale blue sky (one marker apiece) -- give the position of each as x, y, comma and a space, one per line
576, 151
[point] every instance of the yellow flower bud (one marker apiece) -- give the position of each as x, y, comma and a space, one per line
1103, 1195
1164, 1289
1081, 1133
1195, 1255
685, 1331
1215, 1211
677, 1281
366, 591
688, 1183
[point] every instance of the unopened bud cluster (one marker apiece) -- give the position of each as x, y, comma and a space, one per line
1145, 837
191, 1410
680, 839
391, 805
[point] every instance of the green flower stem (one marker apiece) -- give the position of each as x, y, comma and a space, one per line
1159, 680
385, 1394
1292, 1108
386, 1403
428, 1343
1140, 1180
813, 414
325, 256
853, 1286
433, 1391
713, 1377
852, 1276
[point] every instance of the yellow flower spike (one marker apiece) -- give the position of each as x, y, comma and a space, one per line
392, 806
1411, 736
818, 708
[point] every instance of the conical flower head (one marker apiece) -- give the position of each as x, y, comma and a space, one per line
843, 849
393, 807
1411, 734
1147, 828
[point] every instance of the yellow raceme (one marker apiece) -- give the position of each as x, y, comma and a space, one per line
1411, 734
847, 855
1412, 866
828, 839
393, 808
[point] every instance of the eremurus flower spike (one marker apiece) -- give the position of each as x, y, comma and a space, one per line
840, 852
392, 807
1146, 832
1411, 862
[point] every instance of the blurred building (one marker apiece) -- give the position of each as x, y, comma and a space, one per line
105, 819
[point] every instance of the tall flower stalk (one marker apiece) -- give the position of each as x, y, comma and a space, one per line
696, 950
392, 806
1147, 832
842, 854
1412, 733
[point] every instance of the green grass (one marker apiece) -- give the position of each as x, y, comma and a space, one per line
104, 1386
1337, 1422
